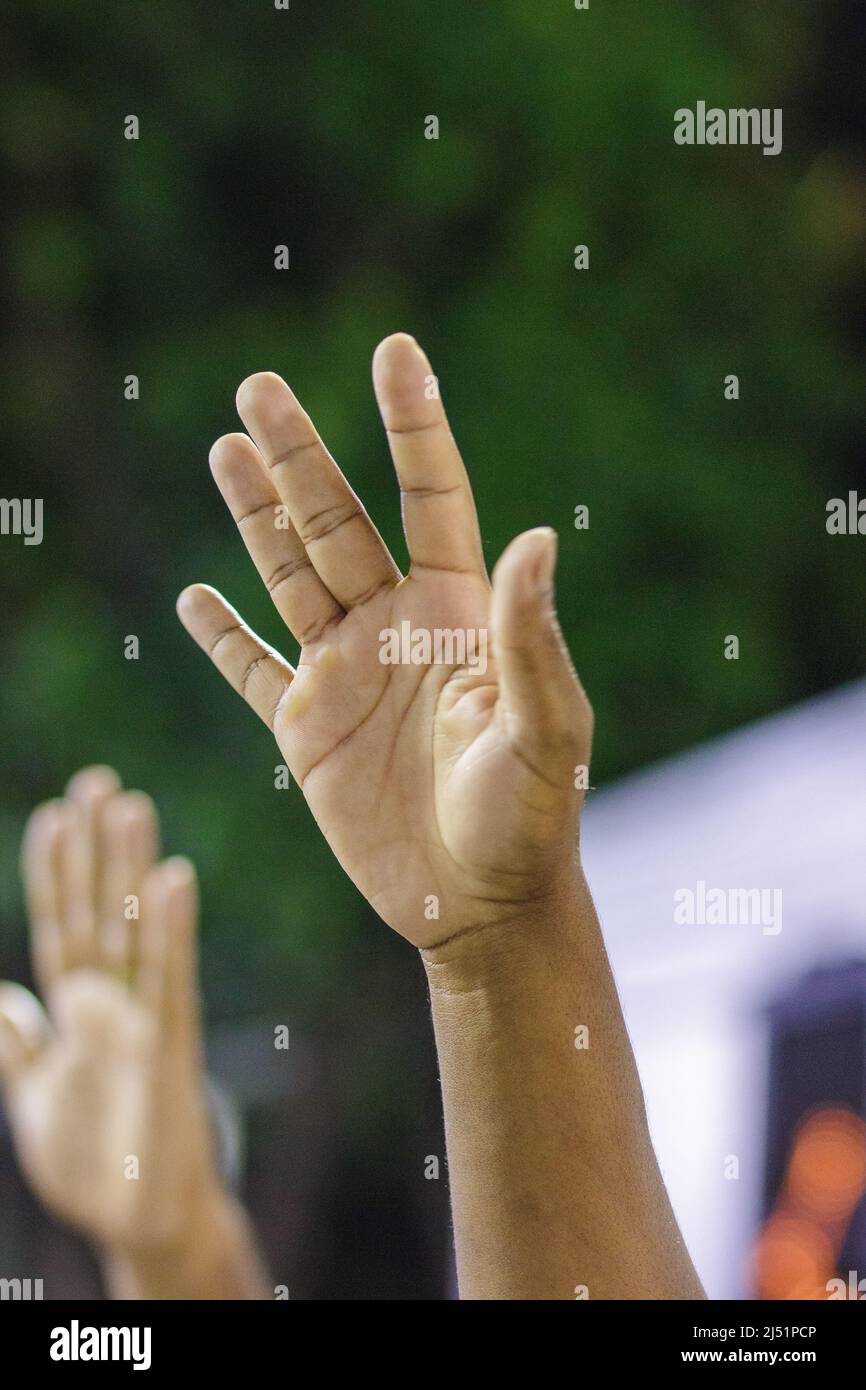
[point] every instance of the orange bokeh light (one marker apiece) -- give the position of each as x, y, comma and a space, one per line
793, 1259
827, 1170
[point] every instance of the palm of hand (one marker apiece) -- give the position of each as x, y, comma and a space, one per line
86, 1114
407, 769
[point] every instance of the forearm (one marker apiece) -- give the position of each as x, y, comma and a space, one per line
554, 1183
216, 1258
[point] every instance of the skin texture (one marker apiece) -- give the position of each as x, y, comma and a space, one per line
448, 795
111, 1074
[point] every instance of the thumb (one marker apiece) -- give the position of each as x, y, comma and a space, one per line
547, 715
23, 1031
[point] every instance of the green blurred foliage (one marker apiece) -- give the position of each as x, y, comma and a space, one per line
603, 387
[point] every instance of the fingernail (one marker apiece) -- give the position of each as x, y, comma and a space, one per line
545, 558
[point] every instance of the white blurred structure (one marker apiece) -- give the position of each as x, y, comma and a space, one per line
780, 804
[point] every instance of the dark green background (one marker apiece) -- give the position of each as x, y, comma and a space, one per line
601, 387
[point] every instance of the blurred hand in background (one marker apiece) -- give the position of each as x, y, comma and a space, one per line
104, 1085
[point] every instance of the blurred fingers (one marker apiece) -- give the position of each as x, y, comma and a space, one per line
84, 863
23, 1031
168, 966
42, 865
130, 831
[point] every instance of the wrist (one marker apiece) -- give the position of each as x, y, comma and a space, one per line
531, 994
524, 937
210, 1255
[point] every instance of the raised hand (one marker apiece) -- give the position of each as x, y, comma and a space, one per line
105, 1091
446, 789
